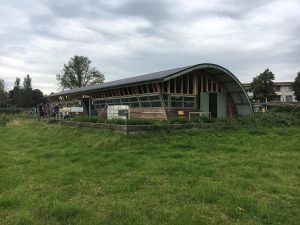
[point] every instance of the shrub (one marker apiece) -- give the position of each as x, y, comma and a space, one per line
206, 119
10, 111
92, 119
140, 122
116, 121
178, 121
3, 121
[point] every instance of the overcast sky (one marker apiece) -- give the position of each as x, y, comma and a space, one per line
125, 38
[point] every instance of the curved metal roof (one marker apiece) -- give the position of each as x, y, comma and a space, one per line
229, 81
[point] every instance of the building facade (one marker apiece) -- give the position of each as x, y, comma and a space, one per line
283, 91
181, 92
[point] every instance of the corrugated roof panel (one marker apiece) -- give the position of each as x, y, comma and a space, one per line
130, 80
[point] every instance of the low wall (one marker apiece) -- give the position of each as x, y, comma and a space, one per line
138, 129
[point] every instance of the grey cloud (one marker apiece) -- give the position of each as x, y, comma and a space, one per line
131, 37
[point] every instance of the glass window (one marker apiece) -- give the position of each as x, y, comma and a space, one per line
204, 83
209, 85
150, 87
189, 104
214, 87
184, 85
156, 104
176, 98
134, 105
166, 87
116, 100
139, 89
145, 104
176, 104
125, 99
130, 91
144, 98
145, 89
178, 84
154, 97
191, 84
172, 83
134, 99
189, 98
125, 91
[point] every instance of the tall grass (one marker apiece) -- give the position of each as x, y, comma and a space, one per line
53, 175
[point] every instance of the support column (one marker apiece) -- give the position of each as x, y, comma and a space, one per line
90, 106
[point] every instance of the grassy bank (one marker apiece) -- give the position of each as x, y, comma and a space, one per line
63, 175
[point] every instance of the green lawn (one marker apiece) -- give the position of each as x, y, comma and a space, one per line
66, 175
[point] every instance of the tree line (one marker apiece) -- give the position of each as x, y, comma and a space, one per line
20, 96
263, 86
78, 72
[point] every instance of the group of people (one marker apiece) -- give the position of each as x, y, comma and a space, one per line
47, 111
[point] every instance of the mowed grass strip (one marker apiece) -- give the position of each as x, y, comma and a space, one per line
50, 174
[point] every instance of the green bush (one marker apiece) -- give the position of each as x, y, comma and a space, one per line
178, 121
3, 121
206, 119
270, 119
116, 121
285, 108
10, 111
140, 122
92, 119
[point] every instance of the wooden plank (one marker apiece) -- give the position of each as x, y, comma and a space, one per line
195, 79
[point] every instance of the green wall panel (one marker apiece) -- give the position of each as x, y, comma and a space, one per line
204, 102
222, 102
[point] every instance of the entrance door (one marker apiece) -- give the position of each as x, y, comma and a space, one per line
213, 104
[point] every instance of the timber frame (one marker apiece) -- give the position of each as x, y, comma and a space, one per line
175, 89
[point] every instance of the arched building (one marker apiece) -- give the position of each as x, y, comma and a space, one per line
206, 88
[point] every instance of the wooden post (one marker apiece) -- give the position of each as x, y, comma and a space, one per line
90, 106
195, 79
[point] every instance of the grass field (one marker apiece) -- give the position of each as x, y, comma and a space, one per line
65, 175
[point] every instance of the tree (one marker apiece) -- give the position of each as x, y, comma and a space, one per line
24, 96
79, 73
296, 87
27, 82
263, 86
17, 83
26, 92
3, 94
37, 97
15, 95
